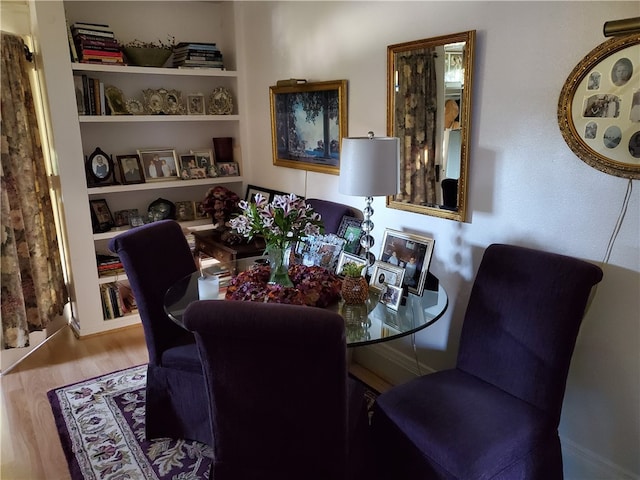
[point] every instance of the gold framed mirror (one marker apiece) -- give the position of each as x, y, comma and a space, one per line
429, 84
599, 107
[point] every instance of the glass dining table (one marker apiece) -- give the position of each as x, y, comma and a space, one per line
368, 323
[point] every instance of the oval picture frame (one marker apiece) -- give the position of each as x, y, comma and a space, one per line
599, 112
99, 167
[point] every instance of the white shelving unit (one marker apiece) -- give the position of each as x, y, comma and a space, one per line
77, 136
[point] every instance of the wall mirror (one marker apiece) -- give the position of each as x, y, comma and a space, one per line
429, 85
599, 107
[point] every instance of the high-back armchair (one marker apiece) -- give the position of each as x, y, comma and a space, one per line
496, 414
332, 213
154, 257
280, 401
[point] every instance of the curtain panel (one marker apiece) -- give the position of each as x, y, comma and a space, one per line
32, 283
415, 118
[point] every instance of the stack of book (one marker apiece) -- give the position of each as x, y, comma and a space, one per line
94, 43
197, 55
109, 265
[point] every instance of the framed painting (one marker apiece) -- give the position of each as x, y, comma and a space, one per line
159, 164
130, 169
308, 122
386, 274
410, 252
350, 229
101, 217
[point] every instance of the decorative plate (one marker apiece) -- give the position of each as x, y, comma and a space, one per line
135, 107
220, 102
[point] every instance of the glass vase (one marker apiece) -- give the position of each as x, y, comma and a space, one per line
279, 264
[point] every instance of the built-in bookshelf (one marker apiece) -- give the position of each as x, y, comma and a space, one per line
98, 304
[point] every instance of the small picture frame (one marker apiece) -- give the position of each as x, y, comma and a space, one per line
159, 164
115, 100
386, 274
195, 104
410, 252
173, 103
198, 210
346, 257
391, 297
350, 229
204, 159
130, 169
229, 169
252, 190
185, 211
122, 217
99, 168
187, 163
101, 217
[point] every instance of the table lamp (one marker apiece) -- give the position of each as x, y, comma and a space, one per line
369, 167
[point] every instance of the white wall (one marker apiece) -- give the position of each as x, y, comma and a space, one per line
526, 186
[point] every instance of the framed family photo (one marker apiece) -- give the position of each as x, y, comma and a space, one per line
410, 252
386, 274
159, 164
391, 297
308, 122
229, 169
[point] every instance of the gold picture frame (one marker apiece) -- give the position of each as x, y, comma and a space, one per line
308, 123
599, 111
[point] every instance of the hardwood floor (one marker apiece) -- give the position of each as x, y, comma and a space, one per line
30, 447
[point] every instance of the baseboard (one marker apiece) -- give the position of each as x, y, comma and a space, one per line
396, 367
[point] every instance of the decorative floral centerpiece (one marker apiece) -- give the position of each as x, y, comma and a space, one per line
286, 219
220, 204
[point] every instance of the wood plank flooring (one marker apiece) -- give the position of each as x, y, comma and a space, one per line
29, 444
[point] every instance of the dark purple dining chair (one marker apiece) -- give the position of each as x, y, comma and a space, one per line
332, 213
496, 414
281, 403
154, 257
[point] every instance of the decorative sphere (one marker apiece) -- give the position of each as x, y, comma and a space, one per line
366, 226
367, 241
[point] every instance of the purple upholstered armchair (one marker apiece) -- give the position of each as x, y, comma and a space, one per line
496, 414
332, 213
155, 256
281, 403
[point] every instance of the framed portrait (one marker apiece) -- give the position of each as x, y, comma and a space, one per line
116, 100
185, 211
187, 162
198, 211
173, 103
391, 297
122, 217
99, 168
252, 190
346, 257
599, 107
159, 164
308, 122
195, 104
410, 252
101, 218
205, 159
386, 274
350, 229
230, 169
130, 169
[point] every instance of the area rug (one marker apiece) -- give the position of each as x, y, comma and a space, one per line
101, 426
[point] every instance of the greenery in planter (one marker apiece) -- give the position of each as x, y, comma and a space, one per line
352, 269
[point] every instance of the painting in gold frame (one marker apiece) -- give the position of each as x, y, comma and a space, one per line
308, 122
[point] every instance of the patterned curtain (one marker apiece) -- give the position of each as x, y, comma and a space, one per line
32, 283
415, 124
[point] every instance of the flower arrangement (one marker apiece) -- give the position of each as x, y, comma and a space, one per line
220, 203
286, 219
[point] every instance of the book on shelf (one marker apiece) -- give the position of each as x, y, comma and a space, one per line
91, 26
93, 33
90, 40
187, 45
117, 299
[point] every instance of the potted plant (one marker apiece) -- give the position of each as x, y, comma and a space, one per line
355, 289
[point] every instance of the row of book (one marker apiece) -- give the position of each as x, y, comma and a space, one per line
90, 96
94, 43
117, 300
197, 55
109, 265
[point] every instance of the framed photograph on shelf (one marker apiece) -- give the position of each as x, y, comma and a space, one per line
159, 164
350, 229
346, 257
185, 211
121, 217
187, 163
391, 297
99, 168
195, 104
386, 274
206, 160
130, 169
115, 100
101, 217
252, 190
230, 169
300, 138
198, 210
410, 252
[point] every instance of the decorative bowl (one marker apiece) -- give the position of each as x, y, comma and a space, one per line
147, 56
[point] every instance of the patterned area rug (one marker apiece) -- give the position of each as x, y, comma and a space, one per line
101, 426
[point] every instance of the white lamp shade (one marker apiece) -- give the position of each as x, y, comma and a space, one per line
369, 167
